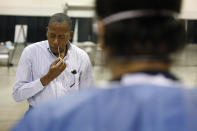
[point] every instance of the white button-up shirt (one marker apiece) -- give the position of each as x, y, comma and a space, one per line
35, 62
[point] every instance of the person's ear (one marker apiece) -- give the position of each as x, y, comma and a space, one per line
47, 28
71, 35
101, 32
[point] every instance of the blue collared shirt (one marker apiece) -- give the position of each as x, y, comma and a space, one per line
139, 102
35, 62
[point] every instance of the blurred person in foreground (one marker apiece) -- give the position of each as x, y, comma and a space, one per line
137, 38
54, 67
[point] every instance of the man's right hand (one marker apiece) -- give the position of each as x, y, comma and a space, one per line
55, 70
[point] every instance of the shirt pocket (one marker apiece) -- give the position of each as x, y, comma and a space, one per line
71, 80
75, 85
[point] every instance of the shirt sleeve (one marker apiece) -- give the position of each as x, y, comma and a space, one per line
25, 87
86, 74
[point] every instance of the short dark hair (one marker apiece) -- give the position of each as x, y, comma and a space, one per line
60, 18
107, 7
153, 35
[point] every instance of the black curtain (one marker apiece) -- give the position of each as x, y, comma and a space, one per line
37, 28
7, 28
85, 31
192, 31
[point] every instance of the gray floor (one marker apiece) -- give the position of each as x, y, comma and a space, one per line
185, 67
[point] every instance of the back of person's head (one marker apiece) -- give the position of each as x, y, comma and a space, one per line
153, 33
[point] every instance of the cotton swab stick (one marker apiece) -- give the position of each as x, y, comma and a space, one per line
61, 60
59, 51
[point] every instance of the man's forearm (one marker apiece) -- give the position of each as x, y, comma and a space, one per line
45, 80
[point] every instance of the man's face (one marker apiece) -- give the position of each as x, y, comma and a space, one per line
58, 34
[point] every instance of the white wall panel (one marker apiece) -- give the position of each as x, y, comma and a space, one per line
38, 7
189, 9
49, 7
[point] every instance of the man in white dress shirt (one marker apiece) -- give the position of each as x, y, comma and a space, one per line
52, 68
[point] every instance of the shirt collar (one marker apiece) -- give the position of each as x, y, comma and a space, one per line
158, 78
166, 74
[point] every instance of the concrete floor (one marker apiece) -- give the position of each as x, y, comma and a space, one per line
185, 67
10, 111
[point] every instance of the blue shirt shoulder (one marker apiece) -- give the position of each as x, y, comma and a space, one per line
125, 108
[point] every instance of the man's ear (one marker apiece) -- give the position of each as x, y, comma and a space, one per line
71, 35
47, 28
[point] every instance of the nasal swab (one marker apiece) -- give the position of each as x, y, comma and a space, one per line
59, 51
61, 60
